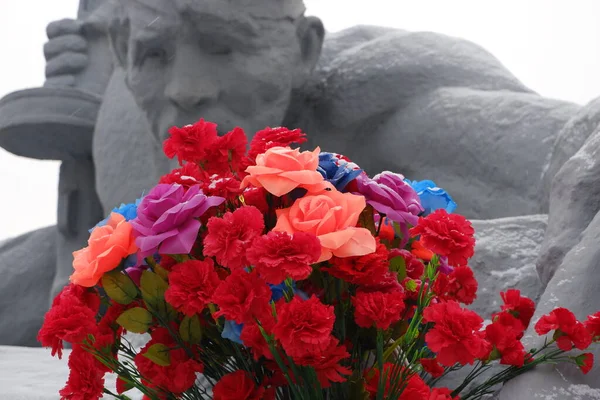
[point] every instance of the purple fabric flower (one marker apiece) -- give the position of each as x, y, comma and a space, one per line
390, 195
166, 219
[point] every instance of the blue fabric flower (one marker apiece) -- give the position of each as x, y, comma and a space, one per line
278, 291
432, 197
232, 331
129, 211
336, 170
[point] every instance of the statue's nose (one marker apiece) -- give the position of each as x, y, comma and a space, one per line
189, 96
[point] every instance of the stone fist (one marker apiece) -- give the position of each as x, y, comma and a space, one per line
65, 52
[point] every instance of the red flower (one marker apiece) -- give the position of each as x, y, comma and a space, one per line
414, 387
454, 337
570, 332
432, 367
86, 380
190, 142
229, 237
71, 318
256, 197
442, 394
369, 269
222, 185
191, 285
254, 339
459, 285
187, 176
242, 296
592, 324
278, 255
178, 376
519, 306
325, 359
585, 362
376, 308
448, 235
237, 385
302, 324
414, 266
226, 153
504, 334
274, 137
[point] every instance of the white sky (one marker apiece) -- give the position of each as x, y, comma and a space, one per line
553, 46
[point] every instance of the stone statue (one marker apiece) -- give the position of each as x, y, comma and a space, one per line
374, 94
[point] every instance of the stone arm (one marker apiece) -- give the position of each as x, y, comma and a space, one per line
488, 148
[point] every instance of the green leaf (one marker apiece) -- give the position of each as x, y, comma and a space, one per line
119, 287
398, 264
136, 320
160, 271
190, 329
158, 354
153, 289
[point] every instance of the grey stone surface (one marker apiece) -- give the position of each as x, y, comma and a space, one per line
26, 269
574, 286
40, 376
574, 201
505, 254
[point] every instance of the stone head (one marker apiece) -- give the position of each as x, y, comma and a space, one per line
234, 62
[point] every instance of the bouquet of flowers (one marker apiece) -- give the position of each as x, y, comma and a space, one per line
266, 272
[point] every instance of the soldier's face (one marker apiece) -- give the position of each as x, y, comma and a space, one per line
234, 72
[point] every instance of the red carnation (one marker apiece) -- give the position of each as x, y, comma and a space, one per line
256, 197
448, 235
229, 237
325, 359
377, 308
242, 296
414, 387
226, 153
222, 185
592, 324
459, 285
190, 142
442, 394
237, 385
86, 380
503, 334
369, 269
454, 337
570, 332
432, 367
414, 266
253, 338
303, 324
519, 306
274, 137
187, 176
178, 376
279, 255
585, 362
71, 318
191, 285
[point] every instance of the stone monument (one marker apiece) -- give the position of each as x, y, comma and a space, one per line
126, 70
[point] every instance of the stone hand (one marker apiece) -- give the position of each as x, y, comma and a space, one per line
65, 52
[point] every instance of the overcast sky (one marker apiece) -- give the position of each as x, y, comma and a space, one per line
553, 46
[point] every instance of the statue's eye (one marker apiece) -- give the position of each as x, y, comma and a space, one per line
155, 54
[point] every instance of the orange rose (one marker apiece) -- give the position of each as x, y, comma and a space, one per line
107, 246
331, 216
280, 170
